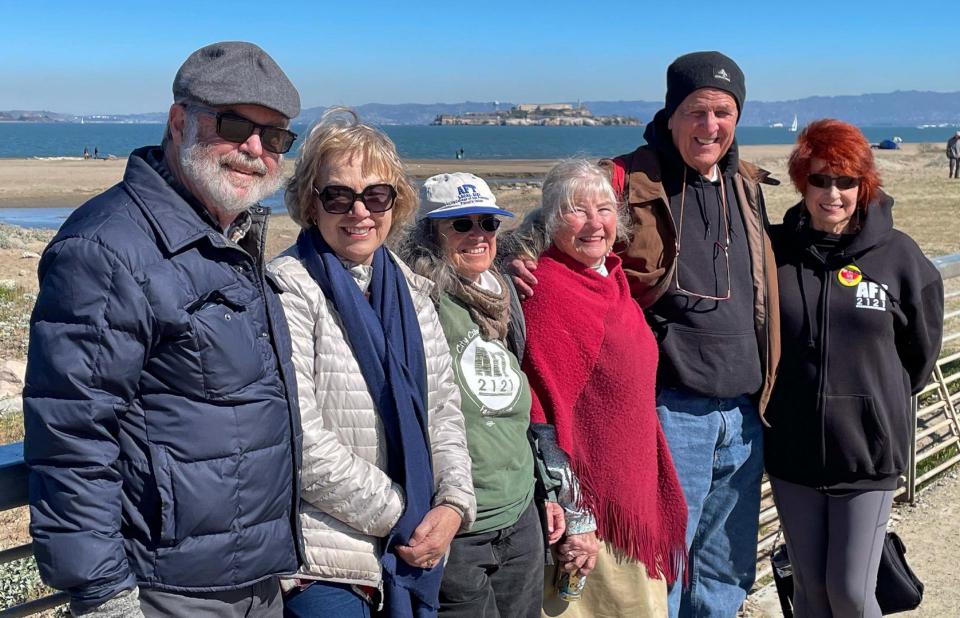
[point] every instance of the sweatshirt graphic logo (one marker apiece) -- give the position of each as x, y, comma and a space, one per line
487, 375
849, 276
871, 295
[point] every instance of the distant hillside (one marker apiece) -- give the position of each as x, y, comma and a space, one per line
406, 113
901, 108
20, 115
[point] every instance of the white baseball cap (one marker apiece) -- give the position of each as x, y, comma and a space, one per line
457, 195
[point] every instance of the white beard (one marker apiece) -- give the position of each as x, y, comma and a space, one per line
210, 178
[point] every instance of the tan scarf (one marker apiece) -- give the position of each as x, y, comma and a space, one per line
490, 311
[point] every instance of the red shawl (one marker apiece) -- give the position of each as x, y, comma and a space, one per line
592, 363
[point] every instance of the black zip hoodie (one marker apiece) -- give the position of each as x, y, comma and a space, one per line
706, 346
861, 321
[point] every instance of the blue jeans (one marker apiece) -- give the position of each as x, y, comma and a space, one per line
325, 599
717, 450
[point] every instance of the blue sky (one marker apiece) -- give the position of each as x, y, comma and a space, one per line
120, 57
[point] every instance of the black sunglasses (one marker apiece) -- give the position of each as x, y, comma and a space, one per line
337, 199
237, 129
487, 224
825, 181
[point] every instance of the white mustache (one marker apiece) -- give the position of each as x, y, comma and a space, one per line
244, 163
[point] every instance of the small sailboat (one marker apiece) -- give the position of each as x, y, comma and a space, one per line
793, 125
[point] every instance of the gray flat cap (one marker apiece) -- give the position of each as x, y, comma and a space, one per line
235, 73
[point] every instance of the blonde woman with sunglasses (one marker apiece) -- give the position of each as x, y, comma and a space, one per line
385, 482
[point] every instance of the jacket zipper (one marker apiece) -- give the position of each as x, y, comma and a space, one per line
824, 341
259, 278
295, 513
761, 215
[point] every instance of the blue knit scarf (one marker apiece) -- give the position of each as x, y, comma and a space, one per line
384, 334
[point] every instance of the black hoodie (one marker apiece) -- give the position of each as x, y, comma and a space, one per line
706, 346
861, 320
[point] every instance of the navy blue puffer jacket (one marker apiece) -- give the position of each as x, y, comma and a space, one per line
162, 431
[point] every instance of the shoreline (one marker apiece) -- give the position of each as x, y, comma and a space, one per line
69, 182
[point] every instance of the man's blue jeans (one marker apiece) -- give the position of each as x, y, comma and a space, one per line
717, 450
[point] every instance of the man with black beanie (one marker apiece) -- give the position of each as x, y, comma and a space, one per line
700, 264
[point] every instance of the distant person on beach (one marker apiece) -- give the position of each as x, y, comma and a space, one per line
96, 153
86, 153
953, 154
699, 263
862, 314
460, 154
162, 429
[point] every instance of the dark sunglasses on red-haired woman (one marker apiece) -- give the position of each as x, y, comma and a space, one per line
825, 181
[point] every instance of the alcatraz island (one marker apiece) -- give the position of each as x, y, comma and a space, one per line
537, 114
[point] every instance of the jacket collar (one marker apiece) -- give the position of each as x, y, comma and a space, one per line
176, 221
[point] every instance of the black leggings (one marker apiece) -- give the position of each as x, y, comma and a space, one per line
834, 544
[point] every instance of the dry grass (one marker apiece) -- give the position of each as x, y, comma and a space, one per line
927, 203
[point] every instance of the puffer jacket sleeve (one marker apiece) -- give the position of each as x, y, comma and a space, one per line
89, 334
333, 478
448, 436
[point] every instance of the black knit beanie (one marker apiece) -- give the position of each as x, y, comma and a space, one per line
707, 69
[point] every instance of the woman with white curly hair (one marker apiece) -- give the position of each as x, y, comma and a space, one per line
591, 360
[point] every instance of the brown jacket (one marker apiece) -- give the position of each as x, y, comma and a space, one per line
649, 255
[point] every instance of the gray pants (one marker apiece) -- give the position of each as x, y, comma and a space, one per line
834, 544
256, 601
954, 168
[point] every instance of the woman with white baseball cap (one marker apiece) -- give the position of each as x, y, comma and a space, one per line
495, 569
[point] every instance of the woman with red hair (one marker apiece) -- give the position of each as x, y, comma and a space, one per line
861, 323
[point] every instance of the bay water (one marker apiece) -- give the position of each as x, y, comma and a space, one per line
24, 140
54, 140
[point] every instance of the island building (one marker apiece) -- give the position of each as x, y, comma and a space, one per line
536, 114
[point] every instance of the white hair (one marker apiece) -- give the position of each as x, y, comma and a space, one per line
205, 171
573, 178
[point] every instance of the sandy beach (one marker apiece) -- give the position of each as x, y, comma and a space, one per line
927, 201
41, 183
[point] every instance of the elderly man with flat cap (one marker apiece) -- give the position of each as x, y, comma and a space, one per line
162, 430
699, 263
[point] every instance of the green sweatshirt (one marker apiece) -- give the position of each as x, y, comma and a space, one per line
495, 399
